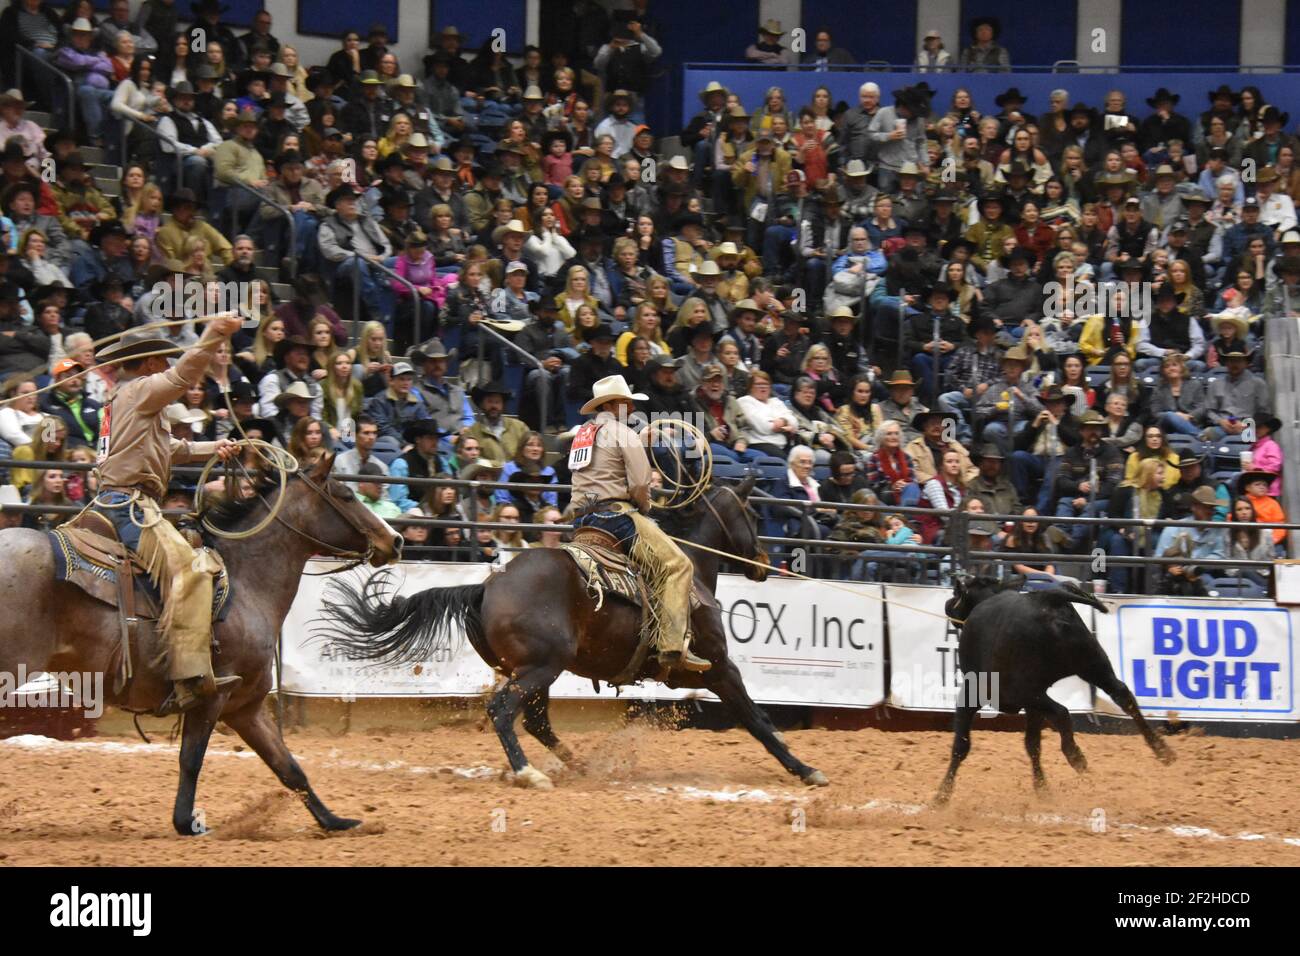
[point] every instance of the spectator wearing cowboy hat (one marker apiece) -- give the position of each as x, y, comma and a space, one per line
420, 460
1164, 125
701, 133
984, 55
1040, 445
618, 121
1236, 400
293, 365
184, 224
974, 370
14, 123
185, 131
926, 451
1283, 299
768, 49
932, 57
596, 362
1264, 149
346, 236
624, 62
1276, 209
92, 73
499, 435
545, 339
105, 255
237, 160
363, 116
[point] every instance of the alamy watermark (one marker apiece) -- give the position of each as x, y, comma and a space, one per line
187, 296
1116, 300
75, 690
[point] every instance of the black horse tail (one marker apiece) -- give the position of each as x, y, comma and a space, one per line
1071, 593
372, 624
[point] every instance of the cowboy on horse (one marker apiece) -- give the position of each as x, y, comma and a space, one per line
135, 455
611, 491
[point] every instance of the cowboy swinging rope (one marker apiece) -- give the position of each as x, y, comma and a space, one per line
665, 433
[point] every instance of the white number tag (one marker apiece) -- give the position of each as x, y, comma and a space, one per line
580, 450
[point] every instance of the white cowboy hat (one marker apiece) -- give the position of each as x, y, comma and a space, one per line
10, 495
503, 325
178, 414
608, 389
296, 390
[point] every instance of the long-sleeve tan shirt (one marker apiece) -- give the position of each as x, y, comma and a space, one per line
619, 469
136, 448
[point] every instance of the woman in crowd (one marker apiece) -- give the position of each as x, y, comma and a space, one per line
19, 418
1155, 445
48, 489
734, 369
307, 440
1250, 544
446, 242
890, 473
371, 360
1142, 496
1030, 537
945, 491
1122, 381
547, 247
49, 443
768, 424
817, 366
531, 457
32, 249
645, 326
1178, 403
693, 313
854, 417
813, 424
344, 398
1074, 379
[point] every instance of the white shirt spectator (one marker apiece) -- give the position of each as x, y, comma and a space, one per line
549, 251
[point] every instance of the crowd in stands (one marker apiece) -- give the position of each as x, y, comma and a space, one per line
1056, 309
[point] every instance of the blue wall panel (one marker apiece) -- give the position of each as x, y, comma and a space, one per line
1035, 33
329, 18
1186, 34
477, 20
877, 32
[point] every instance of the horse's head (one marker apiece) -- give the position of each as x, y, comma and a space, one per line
968, 590
730, 507
328, 511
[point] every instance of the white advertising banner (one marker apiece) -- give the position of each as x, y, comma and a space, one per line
923, 656
1208, 660
795, 642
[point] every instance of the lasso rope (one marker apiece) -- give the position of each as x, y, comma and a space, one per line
660, 433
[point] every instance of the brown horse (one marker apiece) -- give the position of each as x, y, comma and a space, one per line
54, 626
535, 620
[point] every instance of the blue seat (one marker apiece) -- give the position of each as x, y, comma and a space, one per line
514, 376
821, 473
731, 470
769, 460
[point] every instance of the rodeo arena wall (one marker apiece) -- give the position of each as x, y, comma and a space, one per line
798, 642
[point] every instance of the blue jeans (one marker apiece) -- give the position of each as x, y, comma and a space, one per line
998, 434
1117, 575
121, 518
922, 369
1028, 468
1079, 532
959, 405
777, 251
93, 103
1173, 422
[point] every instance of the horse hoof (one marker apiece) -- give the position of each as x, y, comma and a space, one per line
1166, 756
339, 824
816, 779
533, 779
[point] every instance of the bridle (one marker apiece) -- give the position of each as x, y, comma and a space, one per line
356, 558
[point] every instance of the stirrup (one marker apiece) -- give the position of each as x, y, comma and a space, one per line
683, 660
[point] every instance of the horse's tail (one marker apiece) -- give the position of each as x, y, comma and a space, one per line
374, 625
1070, 593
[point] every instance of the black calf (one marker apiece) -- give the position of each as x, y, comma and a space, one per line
1013, 647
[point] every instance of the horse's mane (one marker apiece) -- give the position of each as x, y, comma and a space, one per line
228, 513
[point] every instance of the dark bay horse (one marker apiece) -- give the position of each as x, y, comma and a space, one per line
56, 627
535, 620
1026, 643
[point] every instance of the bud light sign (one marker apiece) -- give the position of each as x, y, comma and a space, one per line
1214, 661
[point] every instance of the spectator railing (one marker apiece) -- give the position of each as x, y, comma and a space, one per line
416, 306
955, 551
152, 131
543, 398
292, 253
24, 54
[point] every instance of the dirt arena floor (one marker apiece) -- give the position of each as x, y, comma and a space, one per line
648, 794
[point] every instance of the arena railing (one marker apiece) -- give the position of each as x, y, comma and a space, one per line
26, 55
292, 251
956, 524
152, 131
356, 296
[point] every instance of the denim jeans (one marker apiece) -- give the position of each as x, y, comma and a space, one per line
93, 104
1173, 422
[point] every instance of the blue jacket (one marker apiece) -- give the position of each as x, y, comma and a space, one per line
391, 416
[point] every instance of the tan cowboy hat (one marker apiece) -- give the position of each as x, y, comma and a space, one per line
713, 87
842, 312
772, 28
13, 97
726, 249
178, 414
909, 169
608, 389
708, 268
405, 81
900, 377
296, 390
417, 141
503, 325
478, 466
514, 225
678, 162
1239, 323
135, 343
1017, 353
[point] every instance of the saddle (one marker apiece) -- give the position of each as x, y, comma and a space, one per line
89, 555
607, 570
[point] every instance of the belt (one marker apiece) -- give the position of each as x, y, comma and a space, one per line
600, 505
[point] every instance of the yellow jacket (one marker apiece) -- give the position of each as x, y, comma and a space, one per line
171, 243
748, 183
1093, 348
1170, 459
237, 160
